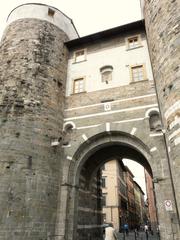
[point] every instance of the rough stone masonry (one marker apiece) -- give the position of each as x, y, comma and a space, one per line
163, 32
32, 79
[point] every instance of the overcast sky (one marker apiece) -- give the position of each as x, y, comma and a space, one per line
89, 16
138, 172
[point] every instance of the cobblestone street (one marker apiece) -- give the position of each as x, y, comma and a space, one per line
140, 236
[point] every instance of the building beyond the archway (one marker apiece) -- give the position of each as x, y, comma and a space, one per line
67, 106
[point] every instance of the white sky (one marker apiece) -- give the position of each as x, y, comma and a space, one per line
89, 16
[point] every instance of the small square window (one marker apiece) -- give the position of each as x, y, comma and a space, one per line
138, 73
80, 55
133, 42
78, 85
51, 12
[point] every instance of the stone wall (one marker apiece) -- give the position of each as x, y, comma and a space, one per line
126, 114
89, 207
163, 32
32, 79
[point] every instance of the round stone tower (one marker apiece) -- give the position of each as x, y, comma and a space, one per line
163, 33
32, 85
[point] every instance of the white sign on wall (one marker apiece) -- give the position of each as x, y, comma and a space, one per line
107, 106
168, 205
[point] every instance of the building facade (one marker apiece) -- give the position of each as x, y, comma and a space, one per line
114, 192
67, 106
123, 198
152, 212
110, 191
139, 206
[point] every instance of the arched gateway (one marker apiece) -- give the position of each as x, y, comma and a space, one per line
81, 196
90, 156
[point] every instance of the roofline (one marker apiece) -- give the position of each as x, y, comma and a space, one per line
42, 4
139, 187
106, 33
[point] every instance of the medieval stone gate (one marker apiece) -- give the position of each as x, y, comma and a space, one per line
49, 140
86, 160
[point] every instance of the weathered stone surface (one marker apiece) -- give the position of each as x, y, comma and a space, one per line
32, 78
163, 32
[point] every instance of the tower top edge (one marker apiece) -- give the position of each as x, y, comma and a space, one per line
44, 12
38, 4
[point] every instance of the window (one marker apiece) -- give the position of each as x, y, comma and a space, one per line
80, 55
123, 189
103, 182
51, 12
154, 121
78, 85
104, 217
138, 73
106, 73
106, 76
133, 42
104, 199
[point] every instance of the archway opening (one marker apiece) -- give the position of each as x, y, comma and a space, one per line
90, 200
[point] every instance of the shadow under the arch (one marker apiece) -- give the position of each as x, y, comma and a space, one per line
104, 146
85, 174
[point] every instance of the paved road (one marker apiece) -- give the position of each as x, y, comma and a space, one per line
140, 236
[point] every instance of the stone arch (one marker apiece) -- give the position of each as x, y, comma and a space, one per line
151, 110
108, 143
114, 141
108, 140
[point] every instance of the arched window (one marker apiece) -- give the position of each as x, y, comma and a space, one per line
106, 73
69, 126
154, 121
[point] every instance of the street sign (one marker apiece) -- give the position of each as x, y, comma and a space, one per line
168, 205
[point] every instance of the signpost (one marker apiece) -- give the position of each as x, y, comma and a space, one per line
168, 205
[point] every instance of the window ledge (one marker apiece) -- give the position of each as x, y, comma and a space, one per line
72, 94
79, 61
133, 82
129, 49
